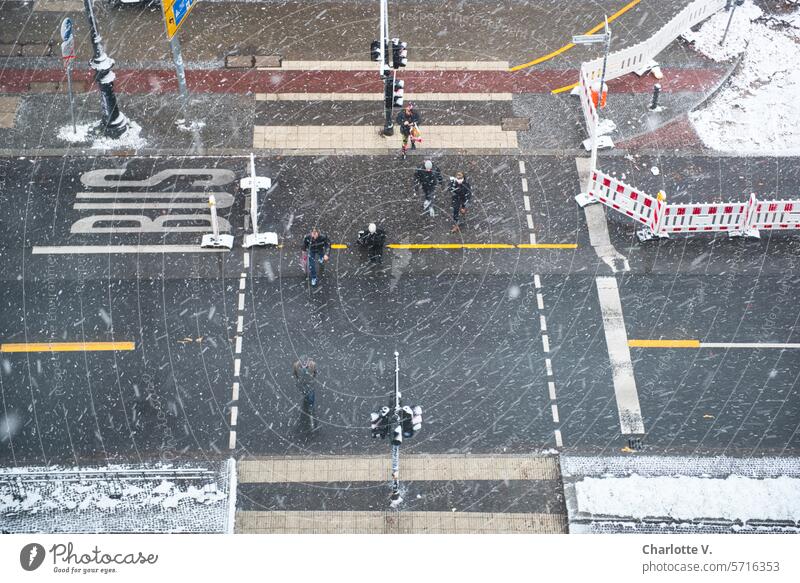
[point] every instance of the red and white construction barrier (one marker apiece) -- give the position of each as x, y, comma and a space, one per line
661, 219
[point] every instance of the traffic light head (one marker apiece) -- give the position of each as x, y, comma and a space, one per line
375, 51
397, 436
397, 97
379, 423
399, 53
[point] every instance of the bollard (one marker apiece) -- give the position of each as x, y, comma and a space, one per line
215, 239
656, 93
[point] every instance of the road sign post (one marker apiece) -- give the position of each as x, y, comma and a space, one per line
175, 13
215, 239
256, 183
68, 55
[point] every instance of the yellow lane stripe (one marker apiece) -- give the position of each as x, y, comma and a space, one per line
565, 88
450, 246
566, 47
66, 346
664, 343
338, 246
547, 246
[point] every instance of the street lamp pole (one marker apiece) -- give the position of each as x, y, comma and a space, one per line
395, 497
114, 122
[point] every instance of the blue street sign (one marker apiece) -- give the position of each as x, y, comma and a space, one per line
175, 12
66, 29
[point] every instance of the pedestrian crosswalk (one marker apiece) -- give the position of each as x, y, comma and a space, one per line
445, 494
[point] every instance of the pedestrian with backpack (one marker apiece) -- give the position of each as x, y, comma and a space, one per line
461, 194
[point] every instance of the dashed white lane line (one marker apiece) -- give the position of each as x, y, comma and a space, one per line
537, 281
237, 361
630, 412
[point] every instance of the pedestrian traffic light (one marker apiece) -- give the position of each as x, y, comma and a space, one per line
399, 53
397, 99
379, 423
375, 51
397, 435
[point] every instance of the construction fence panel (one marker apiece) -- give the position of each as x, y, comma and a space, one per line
587, 105
635, 57
623, 198
689, 218
776, 215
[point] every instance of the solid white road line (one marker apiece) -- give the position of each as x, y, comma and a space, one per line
630, 413
117, 249
370, 66
748, 345
409, 96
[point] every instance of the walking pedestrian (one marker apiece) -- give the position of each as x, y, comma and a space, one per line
305, 373
461, 193
408, 120
316, 247
373, 239
427, 177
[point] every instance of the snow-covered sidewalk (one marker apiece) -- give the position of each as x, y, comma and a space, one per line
116, 498
695, 492
756, 112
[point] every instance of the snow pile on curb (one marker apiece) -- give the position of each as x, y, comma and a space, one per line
131, 139
114, 499
757, 111
691, 498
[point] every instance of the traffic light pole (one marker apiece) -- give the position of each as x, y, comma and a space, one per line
388, 90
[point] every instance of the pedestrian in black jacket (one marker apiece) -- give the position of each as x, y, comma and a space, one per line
373, 239
408, 120
427, 177
461, 193
317, 246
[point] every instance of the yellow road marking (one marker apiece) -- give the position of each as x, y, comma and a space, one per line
66, 346
664, 343
566, 47
565, 88
338, 246
547, 246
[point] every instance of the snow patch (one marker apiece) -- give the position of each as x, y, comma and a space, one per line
131, 139
690, 497
757, 111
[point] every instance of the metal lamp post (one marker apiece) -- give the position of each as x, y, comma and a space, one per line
731, 5
587, 39
114, 122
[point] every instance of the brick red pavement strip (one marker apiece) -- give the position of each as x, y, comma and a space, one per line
255, 81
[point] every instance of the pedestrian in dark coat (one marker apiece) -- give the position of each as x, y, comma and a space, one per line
374, 240
427, 177
317, 246
408, 120
461, 193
